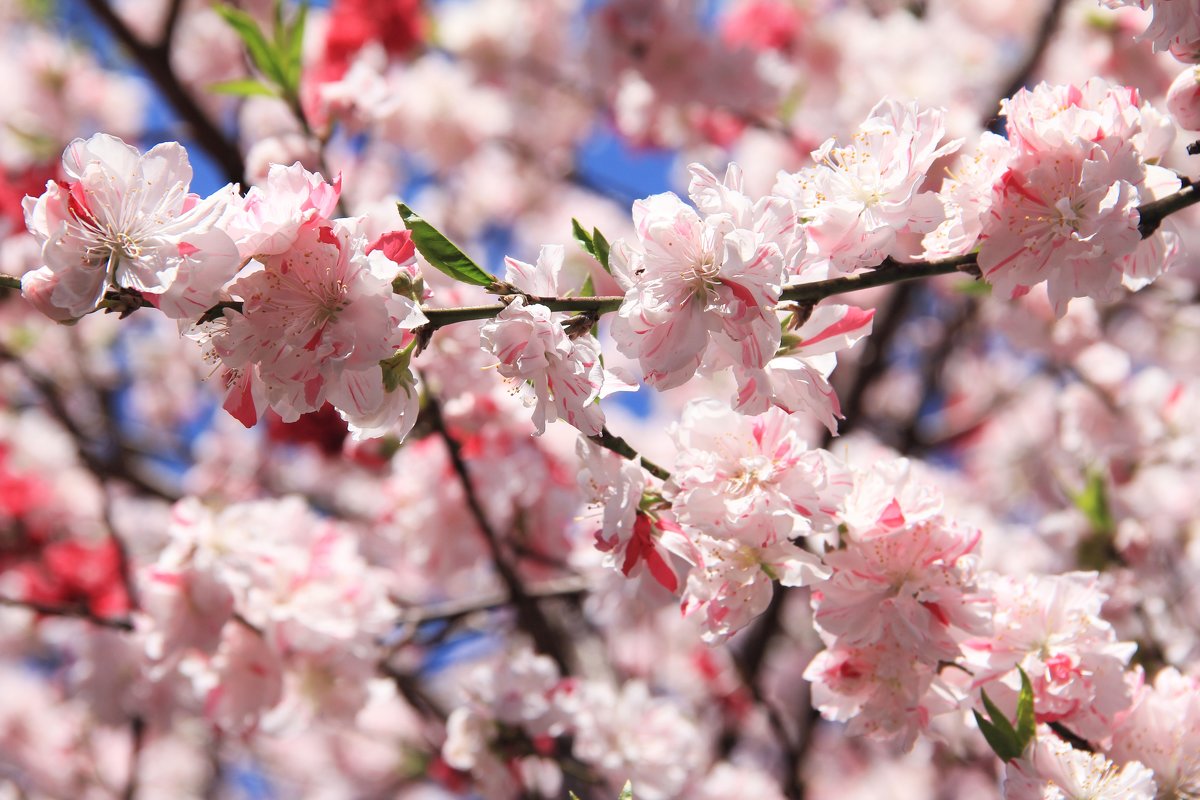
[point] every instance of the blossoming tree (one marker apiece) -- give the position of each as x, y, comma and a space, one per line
547, 398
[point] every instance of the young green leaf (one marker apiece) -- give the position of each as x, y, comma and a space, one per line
262, 53
243, 87
582, 237
291, 46
1093, 502
594, 243
589, 288
1001, 745
602, 249
441, 252
999, 732
1026, 723
627, 792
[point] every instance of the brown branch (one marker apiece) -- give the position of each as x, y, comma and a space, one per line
530, 616
1037, 49
71, 612
137, 738
155, 62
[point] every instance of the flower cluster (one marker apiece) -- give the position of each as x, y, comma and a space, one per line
1061, 199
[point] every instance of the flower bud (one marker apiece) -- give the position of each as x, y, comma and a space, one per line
1183, 99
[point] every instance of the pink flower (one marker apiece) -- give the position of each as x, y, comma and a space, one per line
1175, 26
1162, 731
1065, 209
632, 540
694, 280
913, 585
860, 196
880, 691
269, 219
316, 322
734, 581
125, 219
1183, 99
1053, 770
752, 478
1051, 627
533, 347
797, 379
1066, 219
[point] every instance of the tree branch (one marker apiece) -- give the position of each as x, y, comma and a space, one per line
530, 616
72, 612
155, 62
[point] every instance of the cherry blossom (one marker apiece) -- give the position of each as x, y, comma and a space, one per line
690, 281
124, 219
316, 321
1056, 771
1065, 209
860, 196
752, 478
533, 346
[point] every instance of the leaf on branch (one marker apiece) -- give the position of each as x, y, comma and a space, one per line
627, 792
1026, 723
441, 252
1006, 741
1093, 502
594, 243
244, 87
263, 54
291, 45
601, 249
973, 288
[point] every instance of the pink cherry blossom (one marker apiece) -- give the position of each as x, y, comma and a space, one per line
1051, 627
858, 197
1053, 770
533, 346
693, 280
270, 217
752, 478
124, 219
733, 581
1162, 731
912, 584
1065, 210
797, 379
1175, 26
316, 321
1183, 99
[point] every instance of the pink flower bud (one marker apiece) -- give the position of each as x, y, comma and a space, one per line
1183, 99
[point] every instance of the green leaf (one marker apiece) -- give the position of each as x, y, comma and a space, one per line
572, 795
589, 288
594, 243
262, 53
999, 732
244, 87
291, 46
1093, 502
602, 249
974, 288
441, 252
627, 792
1026, 723
582, 237
1001, 746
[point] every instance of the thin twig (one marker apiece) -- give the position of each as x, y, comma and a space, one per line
137, 738
156, 63
530, 616
71, 612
